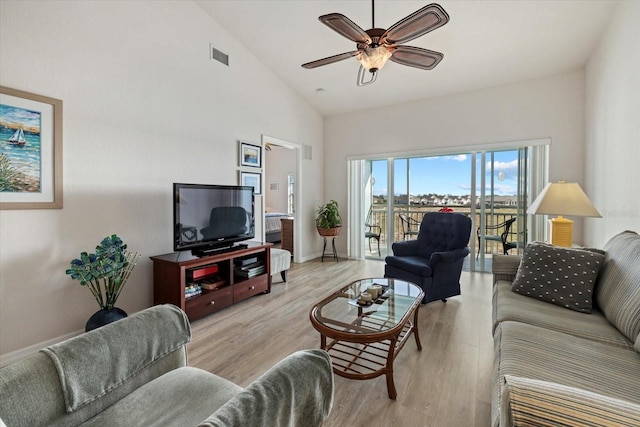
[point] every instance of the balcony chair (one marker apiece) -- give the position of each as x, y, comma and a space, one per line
498, 233
408, 225
434, 260
372, 231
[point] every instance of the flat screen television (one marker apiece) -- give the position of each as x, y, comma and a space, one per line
207, 218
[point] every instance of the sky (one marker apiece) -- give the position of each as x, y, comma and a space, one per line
447, 174
19, 116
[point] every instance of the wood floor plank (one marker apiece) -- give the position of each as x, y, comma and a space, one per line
448, 383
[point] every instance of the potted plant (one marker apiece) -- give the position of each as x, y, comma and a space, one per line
105, 273
328, 221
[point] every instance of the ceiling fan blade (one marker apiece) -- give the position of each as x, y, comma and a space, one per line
329, 60
416, 57
346, 27
415, 25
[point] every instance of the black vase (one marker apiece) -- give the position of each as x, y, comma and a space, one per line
103, 317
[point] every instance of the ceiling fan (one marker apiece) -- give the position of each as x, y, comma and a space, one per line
377, 45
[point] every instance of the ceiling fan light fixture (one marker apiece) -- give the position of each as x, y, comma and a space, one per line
373, 75
376, 46
373, 58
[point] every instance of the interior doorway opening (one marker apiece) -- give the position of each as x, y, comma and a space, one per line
281, 176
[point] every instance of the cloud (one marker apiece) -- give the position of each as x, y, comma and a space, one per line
504, 189
503, 166
458, 158
380, 191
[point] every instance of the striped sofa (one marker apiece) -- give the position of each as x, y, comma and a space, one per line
559, 367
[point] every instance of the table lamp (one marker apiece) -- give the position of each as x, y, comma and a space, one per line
562, 198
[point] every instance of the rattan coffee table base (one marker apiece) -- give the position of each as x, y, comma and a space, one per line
365, 360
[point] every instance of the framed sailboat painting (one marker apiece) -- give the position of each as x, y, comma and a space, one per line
30, 150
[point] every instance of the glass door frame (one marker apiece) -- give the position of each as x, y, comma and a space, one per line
535, 165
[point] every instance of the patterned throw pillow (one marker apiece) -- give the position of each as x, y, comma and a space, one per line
561, 276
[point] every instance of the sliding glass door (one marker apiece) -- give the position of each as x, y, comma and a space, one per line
491, 187
375, 209
401, 190
501, 220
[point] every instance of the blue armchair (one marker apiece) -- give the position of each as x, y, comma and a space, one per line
433, 261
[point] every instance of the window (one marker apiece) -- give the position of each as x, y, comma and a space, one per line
491, 186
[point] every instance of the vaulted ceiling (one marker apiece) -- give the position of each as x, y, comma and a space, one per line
486, 43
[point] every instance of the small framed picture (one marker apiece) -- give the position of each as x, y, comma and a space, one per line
250, 155
252, 179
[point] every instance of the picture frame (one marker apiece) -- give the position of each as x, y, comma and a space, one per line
30, 150
252, 179
250, 155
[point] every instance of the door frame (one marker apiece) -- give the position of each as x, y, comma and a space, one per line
538, 170
297, 256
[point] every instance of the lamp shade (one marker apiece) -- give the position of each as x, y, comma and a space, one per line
563, 198
374, 57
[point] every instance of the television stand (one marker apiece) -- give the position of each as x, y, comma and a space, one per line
203, 285
215, 251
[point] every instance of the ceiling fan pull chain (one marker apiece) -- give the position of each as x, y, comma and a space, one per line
361, 73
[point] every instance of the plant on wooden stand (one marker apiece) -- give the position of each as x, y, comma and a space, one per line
328, 221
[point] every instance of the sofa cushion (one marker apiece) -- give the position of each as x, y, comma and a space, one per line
147, 337
618, 289
528, 351
413, 264
182, 397
508, 305
298, 391
561, 276
542, 403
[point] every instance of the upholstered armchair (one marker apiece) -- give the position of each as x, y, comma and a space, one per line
226, 221
433, 261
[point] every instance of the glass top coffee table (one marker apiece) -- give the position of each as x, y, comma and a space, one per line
365, 338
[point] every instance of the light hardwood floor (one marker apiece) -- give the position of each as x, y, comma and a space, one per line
448, 383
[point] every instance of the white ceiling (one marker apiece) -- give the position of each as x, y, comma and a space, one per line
485, 44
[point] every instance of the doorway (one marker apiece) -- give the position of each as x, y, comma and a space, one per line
490, 186
281, 182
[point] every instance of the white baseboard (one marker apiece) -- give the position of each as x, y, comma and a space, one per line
14, 356
327, 255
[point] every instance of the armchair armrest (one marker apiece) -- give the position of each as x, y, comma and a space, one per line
296, 391
505, 267
527, 402
405, 248
448, 256
371, 227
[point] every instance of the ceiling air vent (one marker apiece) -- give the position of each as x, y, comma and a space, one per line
218, 55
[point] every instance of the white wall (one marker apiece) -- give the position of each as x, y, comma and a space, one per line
551, 107
144, 107
613, 127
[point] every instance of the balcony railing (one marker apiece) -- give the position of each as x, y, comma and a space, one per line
499, 215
